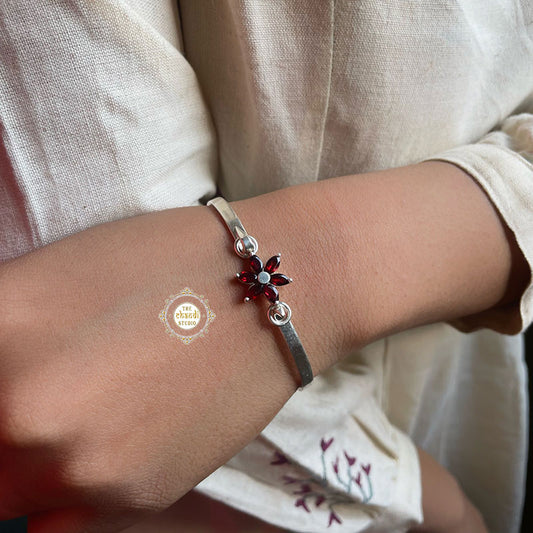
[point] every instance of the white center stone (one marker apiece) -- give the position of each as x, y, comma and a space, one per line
263, 277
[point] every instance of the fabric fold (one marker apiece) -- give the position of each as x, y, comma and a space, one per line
501, 162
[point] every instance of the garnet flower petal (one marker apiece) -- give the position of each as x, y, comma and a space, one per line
272, 264
270, 292
247, 277
256, 264
253, 291
279, 279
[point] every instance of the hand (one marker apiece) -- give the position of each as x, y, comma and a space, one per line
103, 416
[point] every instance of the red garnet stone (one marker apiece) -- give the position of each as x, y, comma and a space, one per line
263, 279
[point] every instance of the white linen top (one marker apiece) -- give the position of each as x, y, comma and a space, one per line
115, 108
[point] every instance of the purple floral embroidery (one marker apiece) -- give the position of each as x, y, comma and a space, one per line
315, 489
334, 518
325, 444
351, 460
301, 503
320, 499
303, 489
280, 459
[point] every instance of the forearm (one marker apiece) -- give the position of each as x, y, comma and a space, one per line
411, 245
446, 508
423, 244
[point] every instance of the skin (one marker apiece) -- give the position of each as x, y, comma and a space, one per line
104, 418
446, 508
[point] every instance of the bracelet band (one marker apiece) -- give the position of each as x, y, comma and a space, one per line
264, 280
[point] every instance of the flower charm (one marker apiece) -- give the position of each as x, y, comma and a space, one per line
262, 279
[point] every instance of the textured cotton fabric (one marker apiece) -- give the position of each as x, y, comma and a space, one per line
110, 109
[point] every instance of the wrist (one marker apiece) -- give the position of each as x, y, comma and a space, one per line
300, 223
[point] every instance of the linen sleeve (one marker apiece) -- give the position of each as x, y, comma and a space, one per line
502, 164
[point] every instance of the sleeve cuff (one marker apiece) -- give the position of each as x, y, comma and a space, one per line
405, 507
507, 179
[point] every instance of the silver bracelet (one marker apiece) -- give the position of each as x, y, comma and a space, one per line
264, 280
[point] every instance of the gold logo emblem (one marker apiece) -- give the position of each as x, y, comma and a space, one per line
186, 315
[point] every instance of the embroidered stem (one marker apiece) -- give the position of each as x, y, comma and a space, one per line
370, 489
348, 471
323, 468
342, 482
